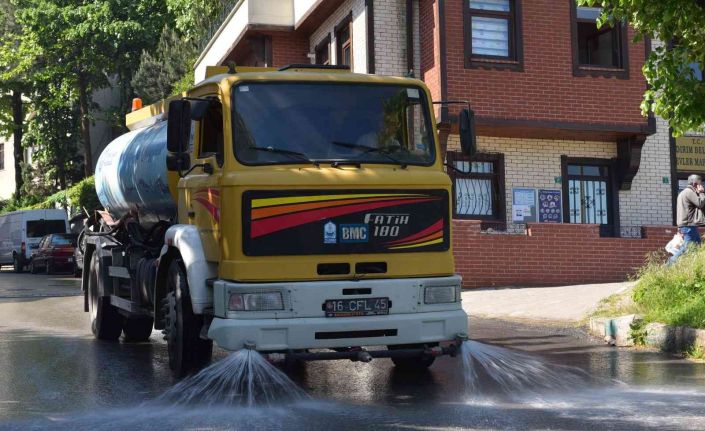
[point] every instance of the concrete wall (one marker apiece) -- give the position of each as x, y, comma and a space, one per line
274, 13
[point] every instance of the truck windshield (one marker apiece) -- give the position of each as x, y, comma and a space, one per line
297, 122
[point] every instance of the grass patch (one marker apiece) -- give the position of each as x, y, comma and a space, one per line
675, 294
695, 352
618, 304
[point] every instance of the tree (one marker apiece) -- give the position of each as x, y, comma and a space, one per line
193, 18
159, 73
674, 69
84, 44
11, 94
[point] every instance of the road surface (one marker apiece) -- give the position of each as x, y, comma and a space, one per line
54, 375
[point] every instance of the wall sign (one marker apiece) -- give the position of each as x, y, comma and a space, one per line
550, 206
690, 154
523, 205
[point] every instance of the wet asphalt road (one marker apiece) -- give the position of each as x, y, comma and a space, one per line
54, 375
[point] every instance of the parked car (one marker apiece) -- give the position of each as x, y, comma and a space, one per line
55, 252
21, 231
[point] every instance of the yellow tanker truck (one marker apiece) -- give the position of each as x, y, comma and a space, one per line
303, 211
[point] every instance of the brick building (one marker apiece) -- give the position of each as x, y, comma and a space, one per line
564, 151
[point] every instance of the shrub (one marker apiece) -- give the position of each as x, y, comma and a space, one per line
79, 196
674, 294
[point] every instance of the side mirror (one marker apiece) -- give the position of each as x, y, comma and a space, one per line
177, 162
179, 126
468, 140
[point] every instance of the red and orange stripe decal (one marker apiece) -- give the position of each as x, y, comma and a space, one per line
275, 214
210, 199
429, 236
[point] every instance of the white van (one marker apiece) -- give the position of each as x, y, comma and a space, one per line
21, 231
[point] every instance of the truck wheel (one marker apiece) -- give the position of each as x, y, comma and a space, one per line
32, 268
17, 266
49, 268
187, 351
138, 329
106, 322
417, 364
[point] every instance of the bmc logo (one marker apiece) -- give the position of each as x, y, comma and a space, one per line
353, 233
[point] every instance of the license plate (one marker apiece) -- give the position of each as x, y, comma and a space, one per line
357, 307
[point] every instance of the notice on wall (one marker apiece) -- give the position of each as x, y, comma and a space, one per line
550, 206
690, 154
523, 205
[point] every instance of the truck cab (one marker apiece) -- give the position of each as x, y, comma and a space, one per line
312, 218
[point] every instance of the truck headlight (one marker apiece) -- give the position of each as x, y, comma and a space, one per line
264, 301
441, 294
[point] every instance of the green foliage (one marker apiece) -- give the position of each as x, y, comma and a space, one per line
167, 70
695, 352
192, 17
674, 294
82, 195
637, 332
673, 91
618, 304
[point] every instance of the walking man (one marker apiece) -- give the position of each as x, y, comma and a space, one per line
689, 213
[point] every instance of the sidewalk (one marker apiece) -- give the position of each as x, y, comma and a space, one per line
561, 304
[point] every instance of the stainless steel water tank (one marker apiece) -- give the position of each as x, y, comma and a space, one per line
131, 175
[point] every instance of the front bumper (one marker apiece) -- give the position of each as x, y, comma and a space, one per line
303, 324
323, 332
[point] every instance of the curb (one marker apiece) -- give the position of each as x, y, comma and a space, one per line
617, 331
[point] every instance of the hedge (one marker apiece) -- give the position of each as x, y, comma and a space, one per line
81, 195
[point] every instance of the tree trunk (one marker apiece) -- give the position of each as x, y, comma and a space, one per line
18, 122
85, 124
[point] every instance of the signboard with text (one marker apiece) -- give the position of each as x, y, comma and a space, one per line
523, 205
550, 206
690, 154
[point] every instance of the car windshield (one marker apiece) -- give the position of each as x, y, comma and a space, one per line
40, 228
278, 123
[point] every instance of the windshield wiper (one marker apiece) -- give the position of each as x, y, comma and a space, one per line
367, 149
293, 154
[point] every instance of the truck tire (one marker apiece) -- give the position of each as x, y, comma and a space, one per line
49, 268
138, 329
106, 322
17, 266
187, 350
413, 365
32, 268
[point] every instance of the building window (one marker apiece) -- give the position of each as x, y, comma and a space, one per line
323, 51
256, 51
492, 32
2, 156
343, 40
589, 188
478, 187
597, 48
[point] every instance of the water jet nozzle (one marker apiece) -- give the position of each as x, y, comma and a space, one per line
249, 345
364, 356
